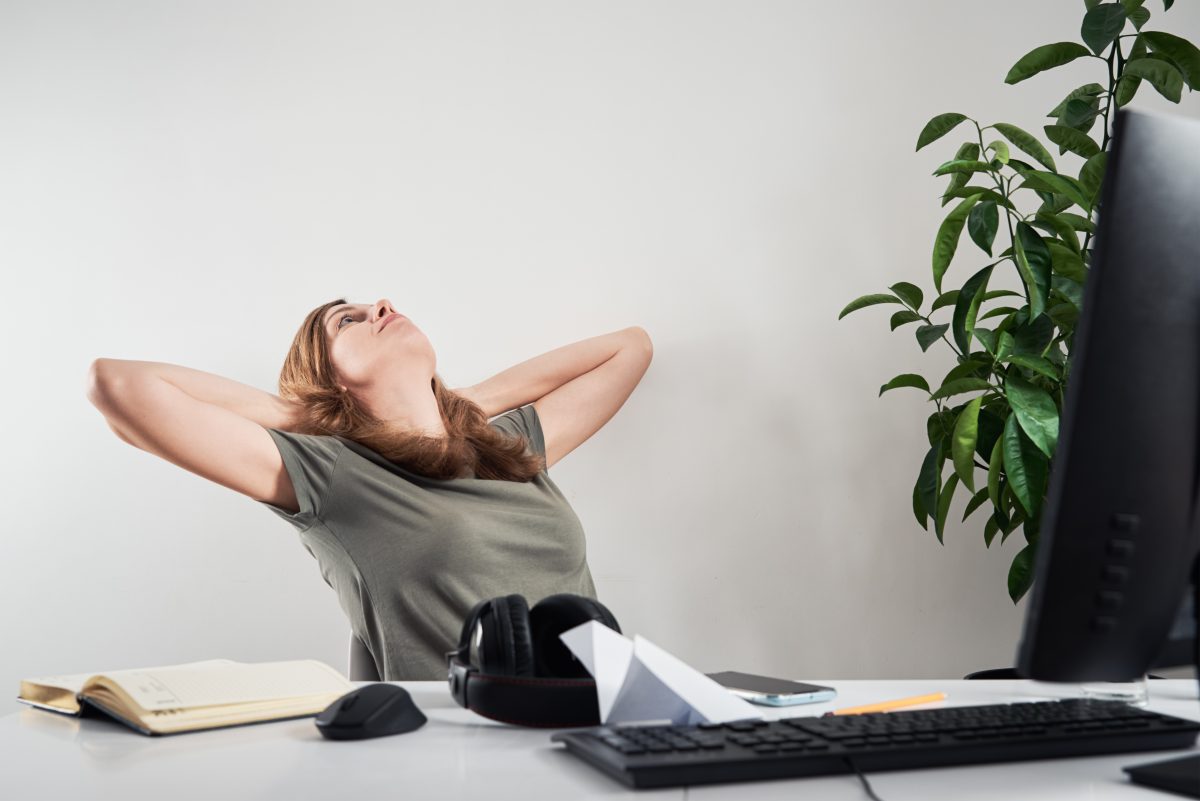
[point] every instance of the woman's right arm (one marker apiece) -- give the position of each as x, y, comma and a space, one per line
209, 425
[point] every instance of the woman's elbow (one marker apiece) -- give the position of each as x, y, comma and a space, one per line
103, 382
639, 335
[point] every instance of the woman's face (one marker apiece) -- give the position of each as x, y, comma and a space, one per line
372, 344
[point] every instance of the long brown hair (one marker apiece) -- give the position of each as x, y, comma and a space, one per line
471, 445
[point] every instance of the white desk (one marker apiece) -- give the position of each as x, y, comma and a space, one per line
459, 755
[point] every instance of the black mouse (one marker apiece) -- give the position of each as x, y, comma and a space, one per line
375, 710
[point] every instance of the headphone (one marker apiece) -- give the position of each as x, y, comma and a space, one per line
511, 666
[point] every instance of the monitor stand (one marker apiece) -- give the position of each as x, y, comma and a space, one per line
1182, 775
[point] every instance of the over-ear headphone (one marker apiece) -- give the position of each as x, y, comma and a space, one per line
511, 666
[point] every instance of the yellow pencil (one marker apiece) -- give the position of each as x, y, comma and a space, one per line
884, 706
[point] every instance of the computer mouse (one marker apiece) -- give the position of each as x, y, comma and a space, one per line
374, 710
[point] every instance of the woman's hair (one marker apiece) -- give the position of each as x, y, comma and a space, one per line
308, 379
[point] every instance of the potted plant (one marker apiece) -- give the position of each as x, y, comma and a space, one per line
997, 410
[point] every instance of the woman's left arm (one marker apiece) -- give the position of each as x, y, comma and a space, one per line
575, 389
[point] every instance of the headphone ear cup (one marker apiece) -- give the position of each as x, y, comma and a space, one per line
549, 618
506, 648
463, 651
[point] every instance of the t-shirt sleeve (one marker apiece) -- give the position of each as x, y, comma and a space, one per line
524, 421
310, 461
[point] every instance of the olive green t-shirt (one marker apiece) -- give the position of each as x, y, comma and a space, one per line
410, 555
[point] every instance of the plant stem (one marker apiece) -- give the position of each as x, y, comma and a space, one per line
1003, 188
1113, 55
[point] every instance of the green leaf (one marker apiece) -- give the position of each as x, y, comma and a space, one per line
987, 338
947, 238
1020, 573
1068, 288
1032, 337
930, 479
1139, 17
975, 502
867, 300
1035, 363
962, 444
928, 334
984, 194
1167, 4
1077, 222
1000, 148
903, 317
995, 466
918, 509
1035, 411
991, 426
1044, 58
944, 498
1025, 466
1101, 25
939, 427
938, 127
1087, 90
1004, 345
989, 531
968, 152
1033, 262
909, 293
982, 223
962, 166
1080, 114
1127, 87
967, 307
1077, 142
1091, 177
905, 380
999, 311
1027, 143
959, 386
945, 299
1064, 315
1182, 53
968, 368
1060, 228
1066, 262
1160, 74
1059, 184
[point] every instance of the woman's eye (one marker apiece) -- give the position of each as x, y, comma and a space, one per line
343, 319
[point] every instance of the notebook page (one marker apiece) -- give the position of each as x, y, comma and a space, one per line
75, 682
188, 686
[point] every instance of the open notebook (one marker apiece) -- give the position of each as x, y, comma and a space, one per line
195, 696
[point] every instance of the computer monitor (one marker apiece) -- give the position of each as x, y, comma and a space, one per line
1118, 536
1181, 645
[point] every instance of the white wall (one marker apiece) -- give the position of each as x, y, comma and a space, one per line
182, 182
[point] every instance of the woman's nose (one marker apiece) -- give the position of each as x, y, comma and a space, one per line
383, 306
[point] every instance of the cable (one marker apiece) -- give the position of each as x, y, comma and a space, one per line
866, 784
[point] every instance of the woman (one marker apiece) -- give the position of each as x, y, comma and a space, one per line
414, 506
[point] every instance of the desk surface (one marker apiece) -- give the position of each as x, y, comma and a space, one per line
459, 755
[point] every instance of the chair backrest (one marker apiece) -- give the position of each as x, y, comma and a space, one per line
362, 664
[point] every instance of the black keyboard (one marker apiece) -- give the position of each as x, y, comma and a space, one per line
669, 756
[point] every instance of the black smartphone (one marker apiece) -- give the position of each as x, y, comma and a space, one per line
772, 692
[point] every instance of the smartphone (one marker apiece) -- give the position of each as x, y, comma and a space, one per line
772, 692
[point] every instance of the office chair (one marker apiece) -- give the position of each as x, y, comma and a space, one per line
362, 664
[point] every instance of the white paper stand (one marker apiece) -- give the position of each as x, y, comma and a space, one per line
638, 681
